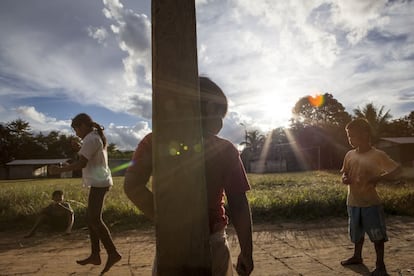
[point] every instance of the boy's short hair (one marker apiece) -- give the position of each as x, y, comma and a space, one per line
210, 92
360, 125
57, 193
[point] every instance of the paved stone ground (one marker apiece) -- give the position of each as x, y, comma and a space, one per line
309, 248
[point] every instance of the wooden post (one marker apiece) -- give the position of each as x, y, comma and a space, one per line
181, 215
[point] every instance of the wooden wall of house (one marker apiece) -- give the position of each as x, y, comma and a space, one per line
21, 172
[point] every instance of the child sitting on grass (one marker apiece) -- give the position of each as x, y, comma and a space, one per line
58, 214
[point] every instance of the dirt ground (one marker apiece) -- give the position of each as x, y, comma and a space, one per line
282, 248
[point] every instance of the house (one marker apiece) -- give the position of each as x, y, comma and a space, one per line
272, 160
33, 168
401, 149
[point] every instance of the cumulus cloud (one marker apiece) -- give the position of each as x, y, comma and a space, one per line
133, 31
358, 17
100, 34
265, 55
125, 137
39, 121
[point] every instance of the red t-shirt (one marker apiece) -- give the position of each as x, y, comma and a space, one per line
224, 170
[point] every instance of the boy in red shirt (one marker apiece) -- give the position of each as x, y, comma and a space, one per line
225, 175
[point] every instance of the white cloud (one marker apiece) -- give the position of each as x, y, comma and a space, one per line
358, 17
127, 138
264, 54
39, 121
100, 34
133, 32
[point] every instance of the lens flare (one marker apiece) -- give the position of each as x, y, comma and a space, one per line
121, 167
316, 100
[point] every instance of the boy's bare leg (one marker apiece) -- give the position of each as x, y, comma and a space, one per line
357, 257
380, 265
39, 220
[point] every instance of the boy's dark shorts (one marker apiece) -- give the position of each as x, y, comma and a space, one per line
56, 221
368, 220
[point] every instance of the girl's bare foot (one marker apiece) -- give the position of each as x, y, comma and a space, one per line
112, 259
92, 259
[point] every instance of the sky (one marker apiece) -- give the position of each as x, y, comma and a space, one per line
59, 58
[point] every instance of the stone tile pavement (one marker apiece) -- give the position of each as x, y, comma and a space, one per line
283, 248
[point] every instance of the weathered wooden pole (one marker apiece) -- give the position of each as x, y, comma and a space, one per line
181, 216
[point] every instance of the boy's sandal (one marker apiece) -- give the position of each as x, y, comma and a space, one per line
351, 261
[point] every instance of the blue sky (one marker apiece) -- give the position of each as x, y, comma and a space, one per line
59, 58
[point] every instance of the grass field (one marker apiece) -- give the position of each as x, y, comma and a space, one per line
297, 196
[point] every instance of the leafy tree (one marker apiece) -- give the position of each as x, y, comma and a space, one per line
18, 142
278, 136
377, 117
5, 154
328, 112
401, 127
111, 148
317, 128
20, 139
19, 128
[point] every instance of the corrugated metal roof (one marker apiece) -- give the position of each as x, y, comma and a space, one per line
36, 162
399, 140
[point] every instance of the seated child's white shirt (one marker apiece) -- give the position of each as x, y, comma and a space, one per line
96, 173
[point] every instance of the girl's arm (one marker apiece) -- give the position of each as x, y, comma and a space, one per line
77, 165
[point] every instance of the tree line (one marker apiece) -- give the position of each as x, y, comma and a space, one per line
17, 141
316, 137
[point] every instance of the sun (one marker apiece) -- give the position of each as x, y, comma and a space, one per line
276, 110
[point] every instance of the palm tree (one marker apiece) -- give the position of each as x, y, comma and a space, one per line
254, 140
376, 117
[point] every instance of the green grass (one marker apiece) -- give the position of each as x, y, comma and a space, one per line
20, 200
303, 196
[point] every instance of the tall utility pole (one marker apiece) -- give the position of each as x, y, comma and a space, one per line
181, 217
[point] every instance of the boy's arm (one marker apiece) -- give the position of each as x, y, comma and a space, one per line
344, 170
66, 206
136, 190
242, 221
387, 176
71, 220
137, 176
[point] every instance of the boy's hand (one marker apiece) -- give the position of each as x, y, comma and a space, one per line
346, 179
244, 265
